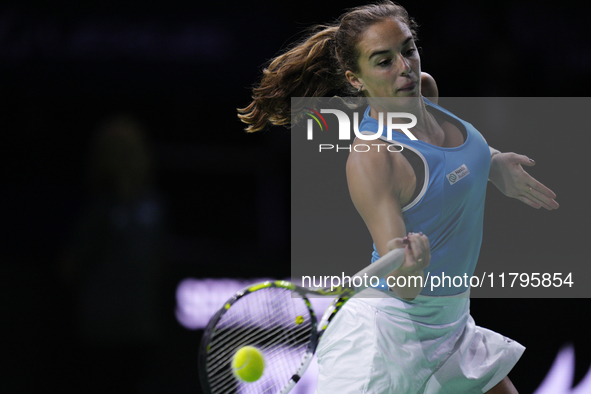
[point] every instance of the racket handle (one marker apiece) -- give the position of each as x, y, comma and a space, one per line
384, 265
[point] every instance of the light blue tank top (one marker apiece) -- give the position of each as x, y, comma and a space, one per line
450, 207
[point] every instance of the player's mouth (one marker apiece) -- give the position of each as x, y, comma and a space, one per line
409, 87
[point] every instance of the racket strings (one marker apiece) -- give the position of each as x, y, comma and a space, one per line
228, 379
273, 339
271, 358
274, 322
226, 336
227, 328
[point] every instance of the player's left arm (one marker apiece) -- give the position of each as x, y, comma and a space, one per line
507, 174
506, 169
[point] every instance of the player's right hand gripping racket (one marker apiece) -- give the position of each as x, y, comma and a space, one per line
282, 327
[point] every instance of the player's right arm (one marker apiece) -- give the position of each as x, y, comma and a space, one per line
377, 181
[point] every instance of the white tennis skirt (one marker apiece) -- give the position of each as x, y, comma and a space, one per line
431, 345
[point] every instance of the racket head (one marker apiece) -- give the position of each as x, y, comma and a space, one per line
270, 317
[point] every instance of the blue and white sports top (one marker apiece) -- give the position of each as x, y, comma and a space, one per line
450, 206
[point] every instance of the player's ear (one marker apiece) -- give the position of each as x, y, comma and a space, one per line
354, 80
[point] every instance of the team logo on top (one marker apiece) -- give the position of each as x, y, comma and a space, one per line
457, 174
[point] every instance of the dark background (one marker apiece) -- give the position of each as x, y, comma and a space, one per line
181, 70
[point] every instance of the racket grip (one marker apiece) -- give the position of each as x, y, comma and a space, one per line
384, 265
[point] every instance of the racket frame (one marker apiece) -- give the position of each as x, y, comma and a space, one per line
210, 330
381, 268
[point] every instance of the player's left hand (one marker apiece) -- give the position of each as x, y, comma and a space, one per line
508, 175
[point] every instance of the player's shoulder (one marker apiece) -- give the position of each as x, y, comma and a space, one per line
429, 87
368, 156
374, 160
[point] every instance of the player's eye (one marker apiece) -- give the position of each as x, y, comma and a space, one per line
410, 52
385, 62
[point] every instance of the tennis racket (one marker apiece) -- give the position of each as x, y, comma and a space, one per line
282, 326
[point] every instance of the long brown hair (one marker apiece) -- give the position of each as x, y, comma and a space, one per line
316, 65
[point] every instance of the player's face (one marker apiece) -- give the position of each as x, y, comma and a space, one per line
389, 63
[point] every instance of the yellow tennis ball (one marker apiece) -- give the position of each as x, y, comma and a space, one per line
248, 364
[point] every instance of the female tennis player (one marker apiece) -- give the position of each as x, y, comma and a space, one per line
429, 200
